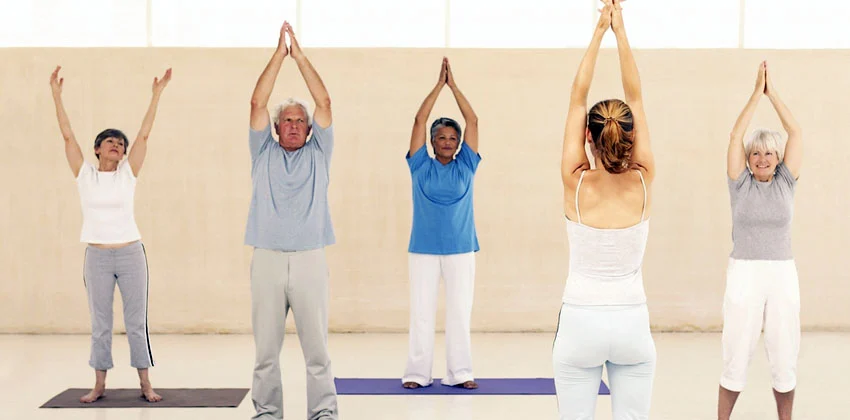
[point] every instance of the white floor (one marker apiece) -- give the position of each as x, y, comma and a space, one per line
35, 368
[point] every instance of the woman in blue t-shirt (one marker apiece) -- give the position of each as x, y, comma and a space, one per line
443, 240
762, 289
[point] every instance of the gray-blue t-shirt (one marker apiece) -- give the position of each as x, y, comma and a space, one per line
289, 203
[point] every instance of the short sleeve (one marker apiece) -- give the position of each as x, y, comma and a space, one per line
735, 184
85, 171
418, 159
258, 140
468, 158
323, 138
125, 170
784, 174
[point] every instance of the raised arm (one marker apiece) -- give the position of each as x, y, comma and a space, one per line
642, 151
420, 122
470, 133
263, 90
73, 153
574, 158
794, 147
736, 159
140, 146
322, 115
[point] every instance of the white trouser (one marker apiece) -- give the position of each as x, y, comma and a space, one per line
617, 337
458, 271
761, 293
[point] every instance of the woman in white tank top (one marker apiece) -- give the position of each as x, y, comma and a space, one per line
604, 319
115, 254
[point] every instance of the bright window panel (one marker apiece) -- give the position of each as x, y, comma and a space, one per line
520, 24
373, 23
797, 24
70, 23
680, 24
219, 23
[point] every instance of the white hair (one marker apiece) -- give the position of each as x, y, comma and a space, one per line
293, 102
766, 140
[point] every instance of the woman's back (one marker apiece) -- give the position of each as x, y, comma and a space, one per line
608, 201
607, 239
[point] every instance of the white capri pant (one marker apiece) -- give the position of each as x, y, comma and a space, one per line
761, 293
617, 337
458, 271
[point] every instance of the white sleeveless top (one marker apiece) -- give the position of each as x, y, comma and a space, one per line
107, 203
605, 264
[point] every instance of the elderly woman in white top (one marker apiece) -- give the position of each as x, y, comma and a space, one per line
115, 254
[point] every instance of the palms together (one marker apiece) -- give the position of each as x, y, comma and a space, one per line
761, 79
294, 47
446, 76
610, 15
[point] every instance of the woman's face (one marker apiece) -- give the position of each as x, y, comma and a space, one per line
445, 142
111, 149
763, 163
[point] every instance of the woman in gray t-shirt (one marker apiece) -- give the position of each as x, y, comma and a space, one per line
761, 280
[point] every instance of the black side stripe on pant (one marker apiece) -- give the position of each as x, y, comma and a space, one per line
85, 255
147, 291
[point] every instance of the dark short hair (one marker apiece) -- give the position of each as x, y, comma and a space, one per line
114, 133
444, 122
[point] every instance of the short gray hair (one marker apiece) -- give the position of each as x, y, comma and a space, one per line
445, 122
293, 102
768, 140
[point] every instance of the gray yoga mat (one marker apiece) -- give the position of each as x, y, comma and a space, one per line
173, 397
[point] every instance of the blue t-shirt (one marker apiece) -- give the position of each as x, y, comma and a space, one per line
289, 204
443, 221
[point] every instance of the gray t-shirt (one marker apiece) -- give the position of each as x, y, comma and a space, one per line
289, 204
761, 215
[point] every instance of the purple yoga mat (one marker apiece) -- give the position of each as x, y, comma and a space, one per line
486, 386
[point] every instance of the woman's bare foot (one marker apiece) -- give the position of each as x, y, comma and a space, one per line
99, 388
94, 395
411, 385
149, 394
469, 385
147, 390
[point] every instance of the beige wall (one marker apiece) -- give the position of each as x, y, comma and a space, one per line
193, 194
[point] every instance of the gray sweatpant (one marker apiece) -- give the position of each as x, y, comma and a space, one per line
299, 281
128, 267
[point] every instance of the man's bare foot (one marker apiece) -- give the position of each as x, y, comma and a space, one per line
411, 385
94, 395
469, 385
149, 394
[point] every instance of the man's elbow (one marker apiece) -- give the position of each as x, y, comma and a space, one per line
258, 104
324, 103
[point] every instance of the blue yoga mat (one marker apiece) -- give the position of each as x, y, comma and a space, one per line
486, 386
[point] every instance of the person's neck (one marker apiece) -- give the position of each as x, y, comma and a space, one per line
444, 160
107, 166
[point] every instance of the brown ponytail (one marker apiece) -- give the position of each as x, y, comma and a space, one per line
611, 127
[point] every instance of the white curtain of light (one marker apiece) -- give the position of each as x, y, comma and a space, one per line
771, 24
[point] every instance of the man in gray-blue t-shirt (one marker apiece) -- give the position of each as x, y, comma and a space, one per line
289, 225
